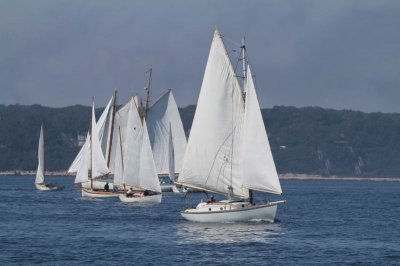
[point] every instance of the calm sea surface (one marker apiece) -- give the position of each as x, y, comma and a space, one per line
323, 222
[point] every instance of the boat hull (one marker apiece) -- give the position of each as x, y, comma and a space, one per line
48, 187
98, 193
221, 212
145, 199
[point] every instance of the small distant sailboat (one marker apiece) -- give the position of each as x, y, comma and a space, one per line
228, 151
92, 165
136, 163
39, 181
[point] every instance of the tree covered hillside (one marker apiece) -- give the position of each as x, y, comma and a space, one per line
307, 140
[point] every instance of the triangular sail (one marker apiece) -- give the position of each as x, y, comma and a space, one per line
161, 115
131, 146
100, 128
98, 163
212, 159
83, 169
119, 165
259, 170
148, 173
40, 170
119, 128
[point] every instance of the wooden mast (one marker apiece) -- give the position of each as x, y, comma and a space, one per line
148, 89
91, 146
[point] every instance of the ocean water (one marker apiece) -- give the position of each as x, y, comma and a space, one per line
322, 222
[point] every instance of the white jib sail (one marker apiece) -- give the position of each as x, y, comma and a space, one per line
99, 165
259, 170
40, 170
118, 166
171, 156
120, 122
212, 159
161, 115
100, 128
131, 147
82, 172
148, 173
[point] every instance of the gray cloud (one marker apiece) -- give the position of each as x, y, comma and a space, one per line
336, 54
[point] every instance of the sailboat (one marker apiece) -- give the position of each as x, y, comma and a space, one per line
103, 132
163, 119
135, 161
92, 164
39, 181
228, 151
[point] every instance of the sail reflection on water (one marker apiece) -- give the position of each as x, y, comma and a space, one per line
259, 232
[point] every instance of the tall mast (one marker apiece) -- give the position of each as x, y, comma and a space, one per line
111, 129
244, 66
91, 146
148, 89
244, 61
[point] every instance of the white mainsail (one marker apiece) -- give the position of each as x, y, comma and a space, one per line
148, 173
131, 144
259, 172
98, 163
40, 170
228, 145
119, 163
100, 128
83, 168
161, 115
120, 123
212, 159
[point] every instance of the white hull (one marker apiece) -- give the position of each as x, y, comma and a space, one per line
47, 187
98, 194
98, 184
145, 199
167, 187
225, 211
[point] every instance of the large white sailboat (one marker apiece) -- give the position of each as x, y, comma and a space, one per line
228, 151
92, 165
134, 165
39, 181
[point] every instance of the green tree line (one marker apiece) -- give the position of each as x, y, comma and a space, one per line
309, 140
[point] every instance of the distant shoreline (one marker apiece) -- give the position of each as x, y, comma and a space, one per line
290, 176
287, 176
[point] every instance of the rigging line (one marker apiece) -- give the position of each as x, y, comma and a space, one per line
215, 157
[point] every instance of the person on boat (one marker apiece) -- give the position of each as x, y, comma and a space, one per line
146, 193
211, 199
129, 193
106, 187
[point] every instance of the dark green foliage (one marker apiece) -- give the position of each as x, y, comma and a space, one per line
307, 140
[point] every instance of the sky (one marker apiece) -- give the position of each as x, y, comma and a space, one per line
341, 54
